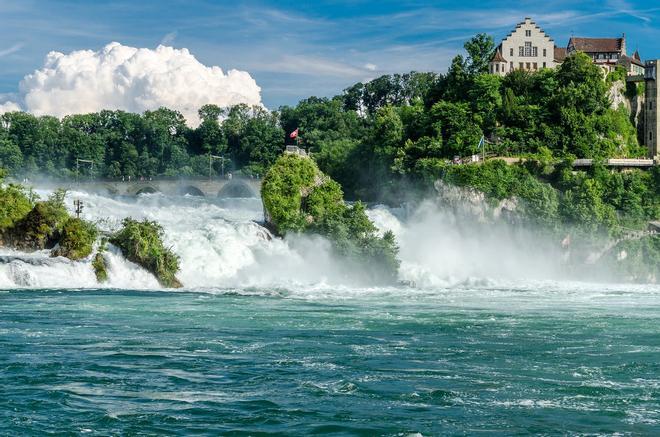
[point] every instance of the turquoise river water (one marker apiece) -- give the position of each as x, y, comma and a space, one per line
547, 359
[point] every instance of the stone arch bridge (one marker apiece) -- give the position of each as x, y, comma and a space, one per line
224, 188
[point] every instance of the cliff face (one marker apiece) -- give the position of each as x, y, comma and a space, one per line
617, 95
622, 93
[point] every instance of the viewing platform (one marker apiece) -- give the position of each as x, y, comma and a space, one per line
295, 150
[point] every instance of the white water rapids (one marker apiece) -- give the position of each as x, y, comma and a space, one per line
221, 247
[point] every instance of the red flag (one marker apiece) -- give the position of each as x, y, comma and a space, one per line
294, 134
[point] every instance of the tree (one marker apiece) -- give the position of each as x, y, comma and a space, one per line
454, 123
480, 50
456, 81
387, 134
11, 157
486, 100
209, 135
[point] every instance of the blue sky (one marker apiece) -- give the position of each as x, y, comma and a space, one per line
295, 49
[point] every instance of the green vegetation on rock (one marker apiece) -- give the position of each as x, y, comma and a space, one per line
25, 225
142, 243
283, 190
100, 268
77, 239
42, 226
590, 202
14, 206
298, 197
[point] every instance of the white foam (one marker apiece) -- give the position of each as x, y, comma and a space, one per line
223, 250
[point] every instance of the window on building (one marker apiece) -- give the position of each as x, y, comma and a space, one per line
650, 105
651, 136
544, 66
528, 33
511, 66
536, 66
521, 51
497, 68
545, 53
615, 56
527, 65
535, 51
511, 51
521, 65
528, 48
601, 56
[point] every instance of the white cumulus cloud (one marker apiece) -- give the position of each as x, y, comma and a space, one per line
9, 107
131, 79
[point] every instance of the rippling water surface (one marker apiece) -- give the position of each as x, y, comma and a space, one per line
494, 358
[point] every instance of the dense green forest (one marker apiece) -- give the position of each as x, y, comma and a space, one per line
373, 134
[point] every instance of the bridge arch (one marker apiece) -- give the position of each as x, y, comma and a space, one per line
110, 189
237, 189
148, 189
191, 190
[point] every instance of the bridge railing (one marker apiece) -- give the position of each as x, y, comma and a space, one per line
616, 162
183, 180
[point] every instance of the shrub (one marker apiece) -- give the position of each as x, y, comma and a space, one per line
355, 238
619, 74
41, 227
142, 243
77, 239
14, 206
98, 263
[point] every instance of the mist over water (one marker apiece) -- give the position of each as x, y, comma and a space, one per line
439, 247
222, 246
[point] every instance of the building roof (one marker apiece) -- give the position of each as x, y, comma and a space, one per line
632, 60
497, 57
528, 20
597, 45
560, 54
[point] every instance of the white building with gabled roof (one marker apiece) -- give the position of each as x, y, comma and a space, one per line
527, 47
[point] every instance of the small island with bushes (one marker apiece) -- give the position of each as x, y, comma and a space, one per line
29, 224
299, 198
